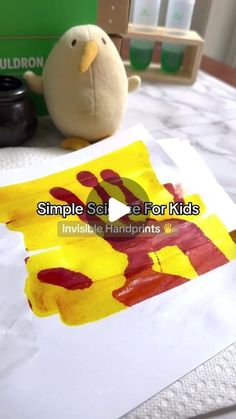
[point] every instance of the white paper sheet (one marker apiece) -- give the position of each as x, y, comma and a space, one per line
106, 368
17, 334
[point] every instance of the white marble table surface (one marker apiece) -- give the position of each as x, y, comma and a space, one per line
205, 114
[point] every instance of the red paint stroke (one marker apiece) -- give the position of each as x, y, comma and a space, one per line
89, 179
146, 284
114, 179
176, 191
11, 221
27, 260
189, 238
202, 253
69, 197
30, 305
65, 278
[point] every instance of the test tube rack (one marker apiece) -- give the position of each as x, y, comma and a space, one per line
192, 56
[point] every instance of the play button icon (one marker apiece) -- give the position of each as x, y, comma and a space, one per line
117, 210
117, 195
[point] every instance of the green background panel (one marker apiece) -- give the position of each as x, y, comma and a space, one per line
44, 17
38, 49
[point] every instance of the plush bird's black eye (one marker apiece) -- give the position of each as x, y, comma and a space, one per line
73, 43
104, 41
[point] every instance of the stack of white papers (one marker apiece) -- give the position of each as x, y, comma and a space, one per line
106, 368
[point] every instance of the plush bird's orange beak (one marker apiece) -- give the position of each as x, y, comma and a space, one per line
90, 53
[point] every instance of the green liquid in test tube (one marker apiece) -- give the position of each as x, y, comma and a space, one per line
141, 54
145, 14
172, 57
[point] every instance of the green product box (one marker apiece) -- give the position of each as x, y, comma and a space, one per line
29, 29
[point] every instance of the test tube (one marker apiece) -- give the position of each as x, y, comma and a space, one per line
179, 18
145, 14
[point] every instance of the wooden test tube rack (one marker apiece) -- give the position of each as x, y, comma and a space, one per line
192, 56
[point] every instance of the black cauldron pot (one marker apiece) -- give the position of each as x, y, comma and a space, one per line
18, 120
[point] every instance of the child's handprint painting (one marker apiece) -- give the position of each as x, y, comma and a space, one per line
87, 278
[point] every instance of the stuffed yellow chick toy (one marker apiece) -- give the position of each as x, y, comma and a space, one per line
85, 86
